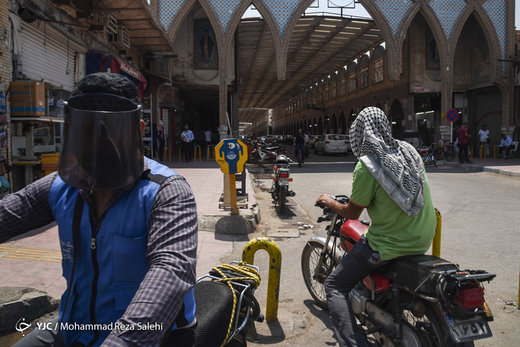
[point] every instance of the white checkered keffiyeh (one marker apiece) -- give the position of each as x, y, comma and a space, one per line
395, 164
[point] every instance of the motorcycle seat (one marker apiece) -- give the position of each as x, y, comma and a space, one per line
214, 305
419, 272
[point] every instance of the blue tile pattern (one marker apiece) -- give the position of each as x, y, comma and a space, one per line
282, 10
497, 12
448, 11
394, 11
168, 10
225, 9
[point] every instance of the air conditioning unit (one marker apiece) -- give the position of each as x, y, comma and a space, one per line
120, 38
111, 26
124, 37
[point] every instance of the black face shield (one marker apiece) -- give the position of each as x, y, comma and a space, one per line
102, 145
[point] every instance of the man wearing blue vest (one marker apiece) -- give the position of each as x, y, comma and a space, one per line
127, 225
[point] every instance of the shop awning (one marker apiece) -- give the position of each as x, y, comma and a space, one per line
146, 32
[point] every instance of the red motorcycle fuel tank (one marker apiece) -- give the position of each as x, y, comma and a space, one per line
350, 233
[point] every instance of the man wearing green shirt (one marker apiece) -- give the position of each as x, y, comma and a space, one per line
390, 182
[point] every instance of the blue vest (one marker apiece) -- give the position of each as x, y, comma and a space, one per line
108, 271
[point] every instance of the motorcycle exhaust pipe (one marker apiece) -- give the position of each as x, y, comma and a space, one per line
369, 313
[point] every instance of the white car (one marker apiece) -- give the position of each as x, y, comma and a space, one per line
332, 143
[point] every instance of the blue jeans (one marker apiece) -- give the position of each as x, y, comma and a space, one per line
355, 265
299, 151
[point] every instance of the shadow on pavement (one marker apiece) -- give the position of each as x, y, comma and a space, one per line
33, 232
277, 334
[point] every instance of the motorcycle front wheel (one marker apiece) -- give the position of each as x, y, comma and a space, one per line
316, 283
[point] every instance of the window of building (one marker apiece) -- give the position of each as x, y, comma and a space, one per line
352, 83
378, 71
363, 78
342, 87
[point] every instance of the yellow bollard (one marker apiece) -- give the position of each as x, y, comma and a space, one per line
196, 149
233, 195
483, 151
275, 266
436, 244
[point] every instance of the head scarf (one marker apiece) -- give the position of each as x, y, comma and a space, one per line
395, 164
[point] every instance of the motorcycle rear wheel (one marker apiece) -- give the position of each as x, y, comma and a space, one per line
281, 199
430, 329
316, 286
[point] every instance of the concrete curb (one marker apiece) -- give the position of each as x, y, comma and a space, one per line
480, 168
245, 223
19, 303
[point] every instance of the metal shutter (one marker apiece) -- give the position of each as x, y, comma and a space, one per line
47, 55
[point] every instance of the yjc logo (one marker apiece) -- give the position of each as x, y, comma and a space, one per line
21, 326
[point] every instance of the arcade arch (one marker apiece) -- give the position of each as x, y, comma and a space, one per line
391, 24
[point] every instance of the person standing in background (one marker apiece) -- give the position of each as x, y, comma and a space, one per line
463, 141
187, 138
484, 137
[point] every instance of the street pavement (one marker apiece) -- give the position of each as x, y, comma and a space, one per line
33, 260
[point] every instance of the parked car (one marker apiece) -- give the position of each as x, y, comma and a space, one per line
332, 143
312, 140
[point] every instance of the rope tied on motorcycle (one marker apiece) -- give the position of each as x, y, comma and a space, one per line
250, 274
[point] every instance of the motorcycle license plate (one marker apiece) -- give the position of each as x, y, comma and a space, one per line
469, 329
283, 181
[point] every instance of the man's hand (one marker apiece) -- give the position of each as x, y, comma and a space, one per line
326, 200
349, 211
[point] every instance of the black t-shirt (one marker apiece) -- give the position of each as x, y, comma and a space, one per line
299, 139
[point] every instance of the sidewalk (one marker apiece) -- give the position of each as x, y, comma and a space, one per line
507, 167
34, 259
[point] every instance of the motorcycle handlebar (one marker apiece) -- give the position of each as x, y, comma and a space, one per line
325, 218
327, 211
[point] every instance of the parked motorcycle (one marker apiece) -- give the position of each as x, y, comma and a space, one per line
427, 155
412, 301
226, 306
281, 178
259, 154
445, 151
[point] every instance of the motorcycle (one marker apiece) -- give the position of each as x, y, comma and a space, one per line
427, 156
445, 151
259, 154
226, 306
417, 300
281, 178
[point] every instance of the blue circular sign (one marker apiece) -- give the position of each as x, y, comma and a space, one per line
452, 115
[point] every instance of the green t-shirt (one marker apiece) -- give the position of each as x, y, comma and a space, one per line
392, 232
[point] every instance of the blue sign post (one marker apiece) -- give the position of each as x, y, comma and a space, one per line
451, 116
231, 155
